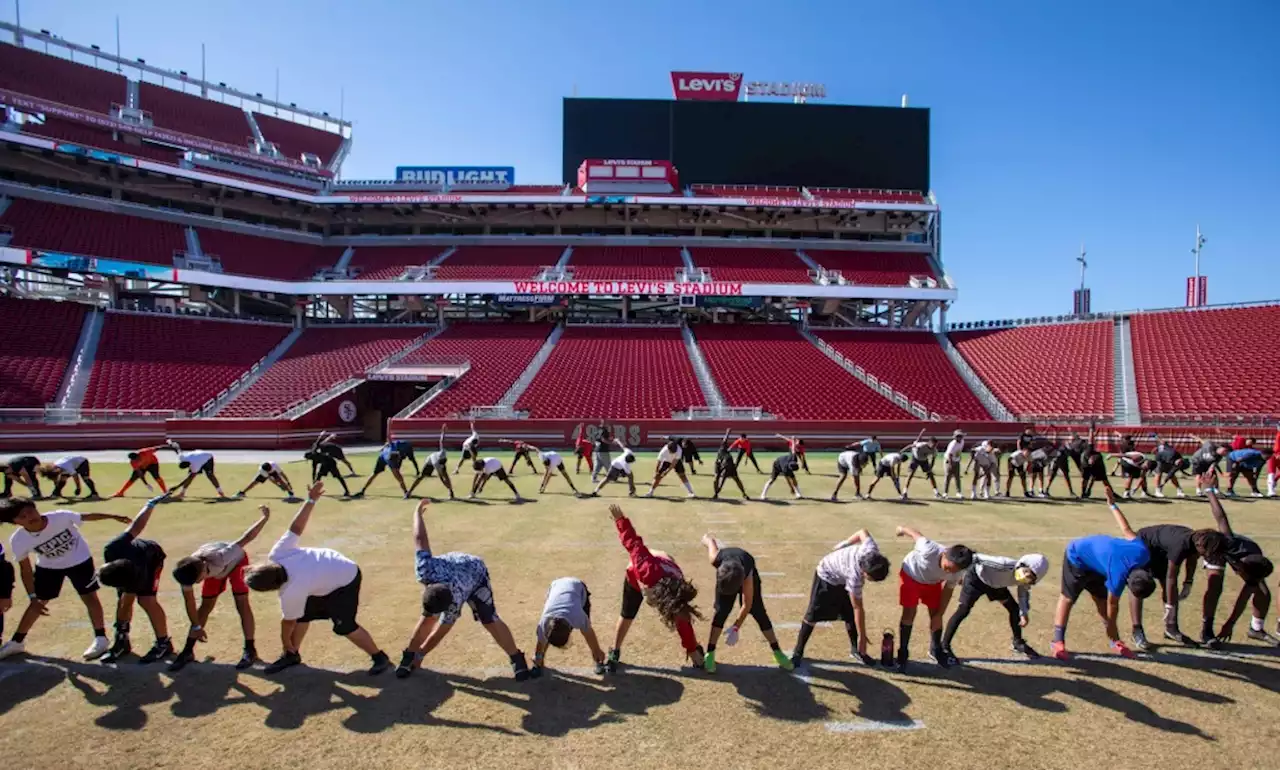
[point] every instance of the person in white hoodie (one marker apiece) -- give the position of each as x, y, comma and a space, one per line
992, 577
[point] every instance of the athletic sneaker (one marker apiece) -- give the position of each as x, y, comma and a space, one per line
709, 662
180, 662
286, 660
380, 663
247, 659
520, 667
1263, 636
833, 499
958, 496
405, 668
11, 648
938, 495
1122, 649
601, 669
159, 651
697, 657
1059, 650
99, 648
779, 657
1140, 640
691, 495
1180, 494
943, 658
1175, 635
119, 648
612, 661
796, 661
1158, 493
1020, 646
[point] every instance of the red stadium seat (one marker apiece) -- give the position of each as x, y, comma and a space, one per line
89, 136
641, 373
293, 139
169, 362
497, 263
752, 265
1179, 372
499, 354
874, 268
321, 358
40, 338
775, 368
86, 232
60, 80
623, 263
914, 364
386, 263
191, 114
1057, 370
266, 257
880, 196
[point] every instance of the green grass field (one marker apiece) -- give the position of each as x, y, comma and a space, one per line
1199, 709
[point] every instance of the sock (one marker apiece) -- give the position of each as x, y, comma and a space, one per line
802, 638
935, 639
19, 637
904, 632
765, 491
122, 628
160, 481
93, 490
1137, 629
103, 631
1206, 628
688, 486
379, 656
1060, 634
125, 488
1255, 623
711, 648
190, 647
772, 645
220, 492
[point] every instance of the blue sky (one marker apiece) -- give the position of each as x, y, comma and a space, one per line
1120, 124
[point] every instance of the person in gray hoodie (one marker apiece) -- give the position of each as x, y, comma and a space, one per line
992, 577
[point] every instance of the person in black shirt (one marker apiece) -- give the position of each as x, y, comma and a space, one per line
1168, 463
327, 443
1246, 559
603, 442
691, 455
726, 469
1094, 467
133, 567
1170, 546
785, 466
24, 470
737, 581
323, 464
6, 587
1071, 449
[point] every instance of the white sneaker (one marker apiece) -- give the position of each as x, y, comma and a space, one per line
10, 648
958, 496
762, 497
1127, 494
1181, 493
1158, 493
799, 496
938, 495
690, 494
973, 495
98, 648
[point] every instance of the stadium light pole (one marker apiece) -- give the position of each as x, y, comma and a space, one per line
1083, 264
1200, 242
17, 23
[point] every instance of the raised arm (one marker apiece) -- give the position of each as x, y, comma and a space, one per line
420, 539
442, 427
1219, 515
621, 445
854, 539
251, 533
909, 532
1121, 521
713, 547
303, 515
144, 516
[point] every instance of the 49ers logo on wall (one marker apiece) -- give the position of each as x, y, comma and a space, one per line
347, 411
706, 86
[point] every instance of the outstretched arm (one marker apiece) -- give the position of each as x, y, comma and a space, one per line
1121, 521
713, 547
909, 532
144, 516
303, 515
420, 539
252, 532
105, 517
854, 539
1219, 515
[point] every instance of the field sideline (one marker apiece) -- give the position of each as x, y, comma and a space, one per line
1195, 707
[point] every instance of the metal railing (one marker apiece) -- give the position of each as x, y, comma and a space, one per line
421, 401
722, 413
994, 407
52, 414
870, 380
497, 412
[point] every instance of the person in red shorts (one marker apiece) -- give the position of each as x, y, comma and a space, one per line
796, 447
132, 565
214, 565
143, 462
928, 576
743, 445
582, 448
655, 577
1273, 464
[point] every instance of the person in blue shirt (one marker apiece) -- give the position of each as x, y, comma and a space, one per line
1103, 566
392, 455
1246, 462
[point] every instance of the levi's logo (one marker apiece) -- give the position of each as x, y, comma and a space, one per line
707, 86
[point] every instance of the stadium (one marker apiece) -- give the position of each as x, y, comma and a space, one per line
184, 265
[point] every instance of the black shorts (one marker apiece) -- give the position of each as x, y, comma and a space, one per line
382, 464
725, 604
48, 581
922, 465
334, 451
1166, 468
973, 589
146, 584
1062, 462
500, 474
24, 463
725, 470
153, 469
884, 470
631, 600
1094, 472
788, 473
82, 469
1130, 471
678, 465
338, 606
1037, 466
1076, 580
328, 468
615, 474
1199, 467
270, 476
468, 453
206, 469
828, 602
428, 470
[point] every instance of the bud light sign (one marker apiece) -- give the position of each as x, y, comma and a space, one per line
458, 177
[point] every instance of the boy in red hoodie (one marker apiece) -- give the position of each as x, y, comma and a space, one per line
653, 576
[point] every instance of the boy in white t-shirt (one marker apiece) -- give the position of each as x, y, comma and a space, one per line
270, 472
836, 593
951, 464
619, 467
928, 576
73, 468
314, 584
491, 466
61, 553
195, 464
670, 457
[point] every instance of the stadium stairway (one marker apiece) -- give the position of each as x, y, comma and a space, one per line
76, 379
1124, 382
522, 382
710, 390
920, 411
339, 388
993, 405
212, 408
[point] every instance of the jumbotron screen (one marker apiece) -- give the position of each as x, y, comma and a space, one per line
761, 143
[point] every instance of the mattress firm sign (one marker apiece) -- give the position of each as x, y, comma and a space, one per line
672, 288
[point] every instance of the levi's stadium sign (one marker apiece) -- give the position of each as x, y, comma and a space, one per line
706, 86
803, 90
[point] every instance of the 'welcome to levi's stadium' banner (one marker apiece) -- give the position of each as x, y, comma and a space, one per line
711, 288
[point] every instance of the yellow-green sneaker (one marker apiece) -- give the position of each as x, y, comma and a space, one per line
783, 661
709, 662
